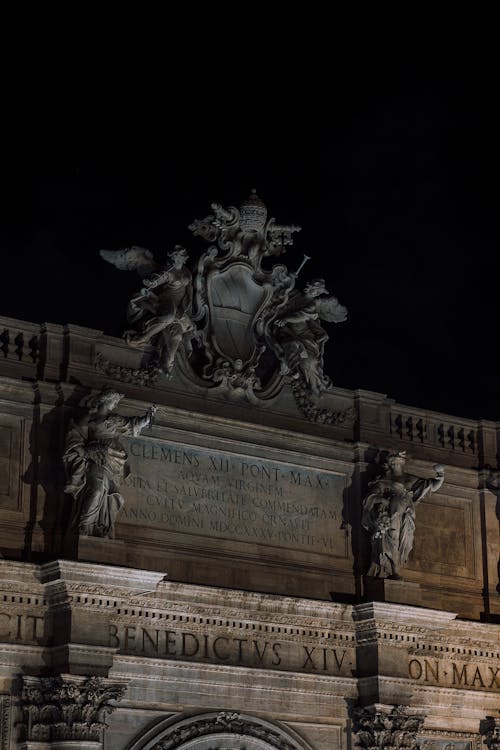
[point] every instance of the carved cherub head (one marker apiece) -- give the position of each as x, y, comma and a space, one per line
178, 255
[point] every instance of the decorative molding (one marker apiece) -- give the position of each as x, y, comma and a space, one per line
66, 707
311, 410
145, 376
224, 722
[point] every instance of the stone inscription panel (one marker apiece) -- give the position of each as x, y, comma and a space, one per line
246, 649
223, 495
455, 674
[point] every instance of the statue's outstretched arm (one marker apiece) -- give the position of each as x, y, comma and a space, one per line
422, 487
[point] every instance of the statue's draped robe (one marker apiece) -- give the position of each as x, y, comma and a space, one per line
95, 464
389, 517
302, 339
171, 300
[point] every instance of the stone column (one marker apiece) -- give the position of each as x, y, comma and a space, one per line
490, 729
382, 726
66, 712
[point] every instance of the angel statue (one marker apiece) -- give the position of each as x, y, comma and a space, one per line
161, 311
389, 514
298, 338
95, 462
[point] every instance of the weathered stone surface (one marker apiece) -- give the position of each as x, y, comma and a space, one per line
272, 546
389, 512
181, 650
232, 603
247, 499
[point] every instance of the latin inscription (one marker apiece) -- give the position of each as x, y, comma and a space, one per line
243, 651
234, 497
455, 674
20, 627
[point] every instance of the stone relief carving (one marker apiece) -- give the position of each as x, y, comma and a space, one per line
66, 708
299, 339
389, 514
145, 376
224, 722
240, 328
380, 727
312, 411
95, 462
490, 729
4, 722
161, 311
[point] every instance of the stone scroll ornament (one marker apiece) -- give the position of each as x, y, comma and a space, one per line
239, 327
95, 462
389, 514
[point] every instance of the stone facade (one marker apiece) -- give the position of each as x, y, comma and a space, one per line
232, 608
208, 546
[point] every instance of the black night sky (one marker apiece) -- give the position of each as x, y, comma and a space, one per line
392, 172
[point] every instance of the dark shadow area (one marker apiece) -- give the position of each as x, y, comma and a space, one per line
491, 485
351, 518
45, 475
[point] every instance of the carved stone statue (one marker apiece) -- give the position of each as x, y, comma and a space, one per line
238, 329
389, 514
246, 232
299, 338
95, 462
161, 311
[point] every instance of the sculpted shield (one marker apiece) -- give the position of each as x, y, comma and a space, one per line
235, 302
237, 326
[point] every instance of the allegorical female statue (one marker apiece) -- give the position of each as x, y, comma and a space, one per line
161, 311
389, 514
95, 462
299, 338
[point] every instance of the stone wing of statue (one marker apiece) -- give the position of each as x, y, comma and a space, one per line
132, 259
330, 309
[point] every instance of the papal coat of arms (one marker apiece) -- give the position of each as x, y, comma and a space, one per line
239, 325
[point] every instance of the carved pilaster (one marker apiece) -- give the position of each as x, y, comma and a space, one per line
380, 727
66, 708
490, 729
4, 722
